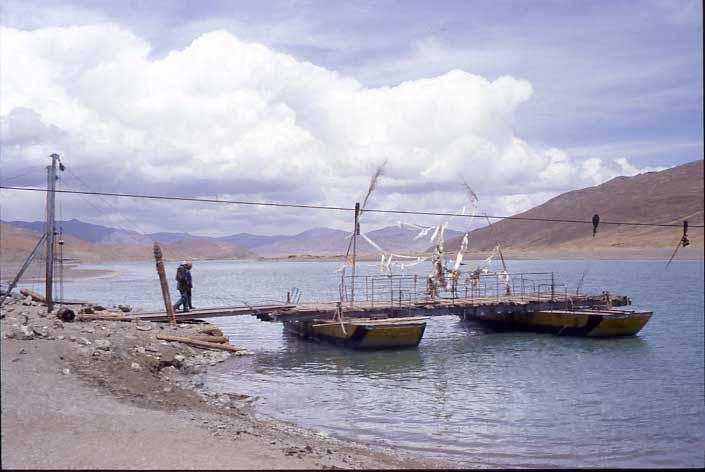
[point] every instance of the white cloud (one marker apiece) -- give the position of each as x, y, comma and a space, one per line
239, 119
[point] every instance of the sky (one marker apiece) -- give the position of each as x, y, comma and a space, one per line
301, 101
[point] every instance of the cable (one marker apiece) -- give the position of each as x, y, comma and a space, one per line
321, 207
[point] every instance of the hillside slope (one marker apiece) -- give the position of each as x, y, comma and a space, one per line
669, 197
16, 244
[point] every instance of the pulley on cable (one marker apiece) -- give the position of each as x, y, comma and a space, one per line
684, 241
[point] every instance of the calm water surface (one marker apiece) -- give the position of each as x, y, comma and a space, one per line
467, 394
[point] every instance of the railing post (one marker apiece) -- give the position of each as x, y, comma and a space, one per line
373, 293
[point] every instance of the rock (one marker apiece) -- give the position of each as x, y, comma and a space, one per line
102, 344
66, 371
125, 308
140, 350
42, 332
85, 342
135, 366
85, 351
98, 308
88, 329
86, 311
144, 327
58, 324
66, 314
151, 348
60, 338
23, 332
27, 301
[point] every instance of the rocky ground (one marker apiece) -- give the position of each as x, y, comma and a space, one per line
109, 394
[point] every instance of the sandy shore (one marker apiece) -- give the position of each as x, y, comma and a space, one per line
108, 394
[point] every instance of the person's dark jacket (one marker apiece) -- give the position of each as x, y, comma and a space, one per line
183, 279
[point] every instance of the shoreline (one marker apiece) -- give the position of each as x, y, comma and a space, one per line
71, 402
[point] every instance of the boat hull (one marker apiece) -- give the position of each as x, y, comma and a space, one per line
590, 323
358, 334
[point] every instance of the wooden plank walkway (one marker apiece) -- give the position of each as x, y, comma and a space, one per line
208, 312
465, 307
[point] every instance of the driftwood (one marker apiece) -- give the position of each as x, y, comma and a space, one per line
209, 339
35, 296
212, 330
106, 317
201, 344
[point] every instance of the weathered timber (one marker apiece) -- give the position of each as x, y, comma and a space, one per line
212, 330
210, 339
163, 283
96, 317
201, 344
208, 312
35, 296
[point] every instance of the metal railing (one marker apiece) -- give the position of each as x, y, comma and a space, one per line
401, 290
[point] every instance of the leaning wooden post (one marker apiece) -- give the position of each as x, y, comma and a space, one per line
164, 284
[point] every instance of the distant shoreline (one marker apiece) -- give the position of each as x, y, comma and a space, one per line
76, 269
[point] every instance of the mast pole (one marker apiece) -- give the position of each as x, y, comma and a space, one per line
50, 232
356, 231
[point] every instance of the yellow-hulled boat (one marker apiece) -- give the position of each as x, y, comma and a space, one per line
595, 322
363, 333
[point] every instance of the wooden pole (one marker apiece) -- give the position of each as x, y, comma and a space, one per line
50, 227
164, 284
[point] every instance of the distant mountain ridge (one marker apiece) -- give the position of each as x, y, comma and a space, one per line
315, 241
666, 197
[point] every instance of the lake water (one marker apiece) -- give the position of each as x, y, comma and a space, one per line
468, 394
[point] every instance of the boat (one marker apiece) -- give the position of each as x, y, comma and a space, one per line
590, 322
362, 333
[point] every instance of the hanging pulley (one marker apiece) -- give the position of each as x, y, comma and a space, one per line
684, 240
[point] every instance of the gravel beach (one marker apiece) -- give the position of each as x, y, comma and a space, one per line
109, 394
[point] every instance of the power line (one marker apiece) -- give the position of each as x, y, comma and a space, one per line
335, 208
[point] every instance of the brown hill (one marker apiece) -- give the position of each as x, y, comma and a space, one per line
668, 197
17, 243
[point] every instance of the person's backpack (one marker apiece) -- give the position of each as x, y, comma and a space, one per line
180, 276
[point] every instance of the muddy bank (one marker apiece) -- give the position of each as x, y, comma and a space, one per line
97, 394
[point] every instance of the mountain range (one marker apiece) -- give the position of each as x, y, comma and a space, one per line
665, 197
314, 242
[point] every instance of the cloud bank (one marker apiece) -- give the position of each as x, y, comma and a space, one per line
242, 121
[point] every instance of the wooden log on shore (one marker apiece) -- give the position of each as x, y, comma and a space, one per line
212, 330
210, 339
110, 317
35, 296
201, 344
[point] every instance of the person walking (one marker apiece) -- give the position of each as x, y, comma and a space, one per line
183, 277
189, 284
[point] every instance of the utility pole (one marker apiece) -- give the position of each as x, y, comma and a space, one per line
50, 232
